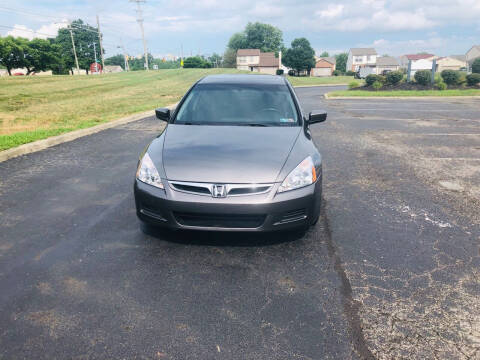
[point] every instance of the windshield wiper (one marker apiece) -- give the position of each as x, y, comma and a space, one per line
255, 124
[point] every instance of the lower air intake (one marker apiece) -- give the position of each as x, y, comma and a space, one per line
220, 220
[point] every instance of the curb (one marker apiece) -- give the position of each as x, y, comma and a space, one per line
70, 136
329, 97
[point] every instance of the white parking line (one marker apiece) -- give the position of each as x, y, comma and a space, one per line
442, 134
450, 158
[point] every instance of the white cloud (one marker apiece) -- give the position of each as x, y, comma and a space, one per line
267, 11
332, 11
22, 31
401, 20
44, 32
171, 18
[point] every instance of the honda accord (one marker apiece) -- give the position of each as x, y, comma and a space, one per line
236, 155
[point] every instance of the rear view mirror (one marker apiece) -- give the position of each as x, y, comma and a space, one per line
317, 116
163, 114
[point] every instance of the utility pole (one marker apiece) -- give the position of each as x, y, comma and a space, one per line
100, 41
140, 22
74, 50
125, 56
95, 53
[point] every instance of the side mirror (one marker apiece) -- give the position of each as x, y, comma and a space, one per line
163, 114
316, 116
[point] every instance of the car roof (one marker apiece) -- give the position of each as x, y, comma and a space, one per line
246, 79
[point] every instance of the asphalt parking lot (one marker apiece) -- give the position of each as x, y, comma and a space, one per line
391, 271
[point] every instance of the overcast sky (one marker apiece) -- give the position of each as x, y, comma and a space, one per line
443, 27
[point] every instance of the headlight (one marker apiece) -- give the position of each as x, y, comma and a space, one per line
147, 172
304, 174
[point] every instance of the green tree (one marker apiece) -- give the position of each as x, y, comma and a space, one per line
84, 37
139, 63
300, 56
324, 54
165, 64
116, 60
196, 62
341, 62
215, 60
230, 58
238, 41
11, 53
476, 66
257, 36
40, 55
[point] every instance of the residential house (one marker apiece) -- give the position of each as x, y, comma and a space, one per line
472, 54
324, 66
256, 61
460, 57
405, 59
386, 64
247, 59
449, 63
361, 57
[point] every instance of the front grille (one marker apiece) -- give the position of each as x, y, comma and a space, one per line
291, 216
248, 190
192, 189
231, 189
220, 220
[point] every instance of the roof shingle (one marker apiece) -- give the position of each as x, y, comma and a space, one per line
363, 51
248, 52
387, 61
418, 56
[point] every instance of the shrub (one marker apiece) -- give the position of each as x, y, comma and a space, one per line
439, 83
291, 72
394, 77
473, 79
423, 77
476, 66
450, 77
463, 78
353, 84
279, 71
370, 79
196, 62
336, 73
350, 73
377, 85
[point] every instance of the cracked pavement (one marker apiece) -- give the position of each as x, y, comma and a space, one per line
391, 271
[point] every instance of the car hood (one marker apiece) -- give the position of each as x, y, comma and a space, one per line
226, 154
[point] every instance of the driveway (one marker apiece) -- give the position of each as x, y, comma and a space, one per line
390, 271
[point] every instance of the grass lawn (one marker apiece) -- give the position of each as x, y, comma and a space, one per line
312, 80
366, 93
34, 108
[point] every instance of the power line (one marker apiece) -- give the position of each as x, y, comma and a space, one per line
19, 11
27, 30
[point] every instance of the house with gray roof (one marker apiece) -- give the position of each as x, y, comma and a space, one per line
361, 57
472, 54
386, 64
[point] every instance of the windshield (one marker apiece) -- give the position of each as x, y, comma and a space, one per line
238, 104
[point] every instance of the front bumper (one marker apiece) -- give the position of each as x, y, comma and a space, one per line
262, 212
